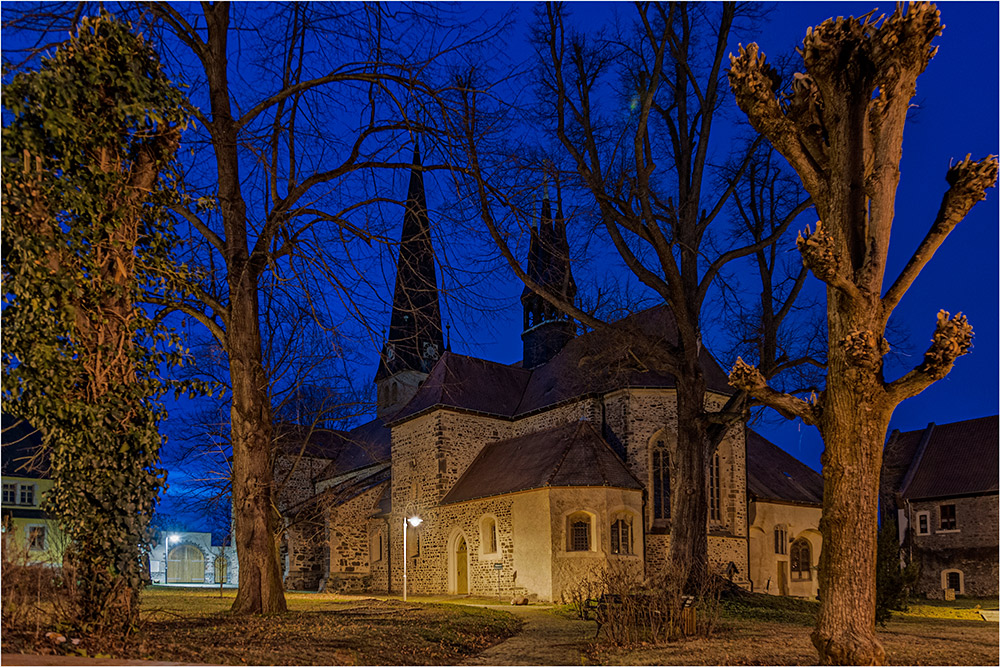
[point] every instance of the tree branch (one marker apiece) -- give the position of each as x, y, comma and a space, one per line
952, 339
747, 378
968, 181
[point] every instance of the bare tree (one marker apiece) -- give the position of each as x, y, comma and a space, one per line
300, 107
647, 173
842, 131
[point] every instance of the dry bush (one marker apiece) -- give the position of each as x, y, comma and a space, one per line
653, 610
588, 588
34, 596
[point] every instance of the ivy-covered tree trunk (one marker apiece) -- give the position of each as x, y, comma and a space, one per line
93, 134
842, 131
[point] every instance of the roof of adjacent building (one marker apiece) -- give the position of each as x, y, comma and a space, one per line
595, 363
23, 454
572, 454
362, 446
774, 474
359, 447
949, 460
347, 487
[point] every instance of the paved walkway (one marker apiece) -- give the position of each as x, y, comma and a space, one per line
545, 639
990, 615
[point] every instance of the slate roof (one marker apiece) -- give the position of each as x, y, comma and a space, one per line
350, 486
22, 453
957, 459
594, 363
573, 454
774, 474
362, 446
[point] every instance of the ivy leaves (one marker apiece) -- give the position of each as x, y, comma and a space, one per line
88, 174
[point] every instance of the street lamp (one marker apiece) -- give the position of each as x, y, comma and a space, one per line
413, 521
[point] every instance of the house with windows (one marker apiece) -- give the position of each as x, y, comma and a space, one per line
29, 536
785, 505
940, 485
527, 478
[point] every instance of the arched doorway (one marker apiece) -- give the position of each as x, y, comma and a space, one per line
185, 565
461, 566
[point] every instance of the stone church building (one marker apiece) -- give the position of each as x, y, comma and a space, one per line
528, 477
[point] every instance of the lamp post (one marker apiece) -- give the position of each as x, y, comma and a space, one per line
413, 521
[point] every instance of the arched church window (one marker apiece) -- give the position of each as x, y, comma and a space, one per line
579, 525
661, 481
488, 535
621, 536
800, 559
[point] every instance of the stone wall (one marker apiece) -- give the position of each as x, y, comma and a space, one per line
350, 546
299, 484
971, 547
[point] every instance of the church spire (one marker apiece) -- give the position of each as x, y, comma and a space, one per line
546, 328
415, 336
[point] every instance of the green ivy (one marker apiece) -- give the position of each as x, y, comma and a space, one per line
88, 174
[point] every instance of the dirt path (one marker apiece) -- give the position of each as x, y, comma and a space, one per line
545, 639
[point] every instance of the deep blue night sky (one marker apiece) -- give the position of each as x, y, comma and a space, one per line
956, 114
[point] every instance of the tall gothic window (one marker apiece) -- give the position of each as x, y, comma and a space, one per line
714, 490
661, 481
621, 536
780, 540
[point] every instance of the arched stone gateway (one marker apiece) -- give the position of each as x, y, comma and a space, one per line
186, 565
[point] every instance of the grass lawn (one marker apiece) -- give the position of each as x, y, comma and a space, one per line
193, 625
766, 630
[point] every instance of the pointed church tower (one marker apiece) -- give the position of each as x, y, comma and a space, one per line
415, 338
546, 328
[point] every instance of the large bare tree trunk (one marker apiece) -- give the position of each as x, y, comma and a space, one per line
261, 589
854, 422
842, 131
687, 554
260, 586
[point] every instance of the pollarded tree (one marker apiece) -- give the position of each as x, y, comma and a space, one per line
842, 131
87, 171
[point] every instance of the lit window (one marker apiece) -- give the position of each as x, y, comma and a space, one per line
27, 494
948, 521
800, 559
780, 540
9, 494
714, 490
488, 535
579, 532
661, 481
621, 537
36, 538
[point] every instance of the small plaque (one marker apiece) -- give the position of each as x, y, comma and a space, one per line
498, 566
